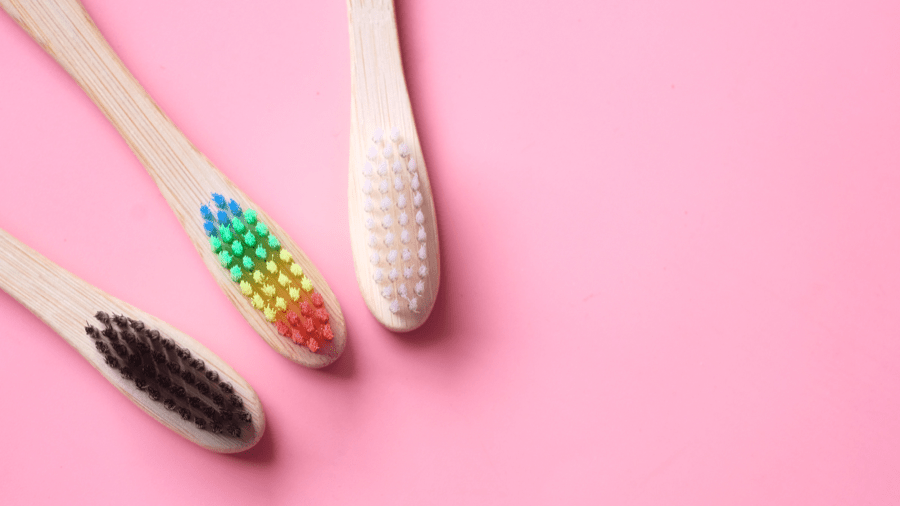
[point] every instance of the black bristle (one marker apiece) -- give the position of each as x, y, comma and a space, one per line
168, 344
237, 401
185, 413
218, 399
112, 362
110, 333
195, 402
159, 357
212, 376
169, 404
164, 382
136, 324
92, 332
129, 337
188, 377
120, 349
203, 388
140, 383
201, 423
183, 353
149, 372
234, 430
126, 373
142, 347
173, 368
226, 387
178, 391
245, 417
153, 335
102, 317
153, 393
120, 320
198, 364
102, 347
208, 411
134, 360
216, 428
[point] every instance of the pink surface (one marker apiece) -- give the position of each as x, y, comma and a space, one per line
670, 256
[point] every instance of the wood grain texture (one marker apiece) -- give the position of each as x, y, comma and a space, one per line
66, 304
185, 176
379, 99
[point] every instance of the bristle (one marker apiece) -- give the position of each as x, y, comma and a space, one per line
160, 368
266, 273
387, 216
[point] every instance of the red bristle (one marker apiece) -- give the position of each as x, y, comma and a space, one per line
293, 319
313, 345
326, 332
322, 315
308, 326
305, 308
317, 299
297, 336
283, 329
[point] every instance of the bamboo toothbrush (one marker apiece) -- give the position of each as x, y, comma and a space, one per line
393, 231
266, 276
165, 372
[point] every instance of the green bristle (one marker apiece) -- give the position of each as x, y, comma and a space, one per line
226, 233
273, 242
239, 227
225, 258
237, 248
261, 229
216, 244
250, 216
250, 239
248, 263
261, 252
235, 273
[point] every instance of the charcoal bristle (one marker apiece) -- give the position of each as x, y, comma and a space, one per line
178, 381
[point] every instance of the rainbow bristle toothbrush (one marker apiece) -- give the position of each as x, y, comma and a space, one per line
393, 227
266, 273
187, 180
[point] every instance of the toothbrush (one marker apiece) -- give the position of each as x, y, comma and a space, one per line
393, 231
165, 372
264, 274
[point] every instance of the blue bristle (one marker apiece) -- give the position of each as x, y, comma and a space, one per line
205, 212
220, 200
234, 207
222, 217
210, 228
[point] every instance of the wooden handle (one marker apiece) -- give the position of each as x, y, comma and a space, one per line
185, 176
66, 304
379, 99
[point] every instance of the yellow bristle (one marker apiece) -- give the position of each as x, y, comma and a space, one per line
306, 284
296, 270
295, 293
280, 304
271, 267
246, 289
268, 290
257, 276
270, 314
283, 280
258, 301
285, 256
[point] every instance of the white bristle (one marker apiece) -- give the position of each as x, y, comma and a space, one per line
406, 255
367, 169
413, 304
387, 152
420, 218
370, 223
402, 291
392, 256
385, 203
421, 235
383, 186
387, 292
393, 275
412, 165
373, 240
372, 153
422, 253
369, 205
382, 169
403, 149
397, 167
387, 221
379, 275
420, 288
414, 184
374, 258
407, 271
417, 199
404, 219
401, 201
404, 234
398, 183
395, 306
423, 270
389, 239
395, 134
377, 135
367, 186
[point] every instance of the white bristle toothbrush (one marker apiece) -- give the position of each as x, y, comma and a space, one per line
165, 372
267, 277
393, 227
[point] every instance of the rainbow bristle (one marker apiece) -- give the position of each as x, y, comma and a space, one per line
266, 273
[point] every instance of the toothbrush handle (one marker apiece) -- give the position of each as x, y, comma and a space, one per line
65, 31
56, 296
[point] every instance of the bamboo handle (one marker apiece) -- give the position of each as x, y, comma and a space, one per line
66, 304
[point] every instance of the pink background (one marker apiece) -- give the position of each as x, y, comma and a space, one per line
670, 242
